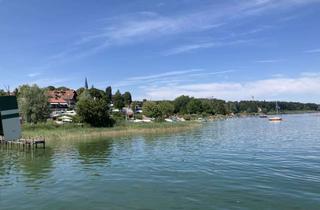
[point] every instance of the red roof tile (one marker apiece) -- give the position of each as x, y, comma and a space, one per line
64, 94
57, 100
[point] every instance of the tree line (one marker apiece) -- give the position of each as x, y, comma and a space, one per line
186, 105
94, 106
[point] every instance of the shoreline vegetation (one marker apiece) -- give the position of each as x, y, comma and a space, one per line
63, 113
53, 132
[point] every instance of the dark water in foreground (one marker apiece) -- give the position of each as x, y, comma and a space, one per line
234, 164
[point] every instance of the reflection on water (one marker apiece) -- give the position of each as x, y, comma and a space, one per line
94, 152
234, 164
13, 161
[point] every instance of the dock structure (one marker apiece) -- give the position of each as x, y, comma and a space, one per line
10, 126
24, 143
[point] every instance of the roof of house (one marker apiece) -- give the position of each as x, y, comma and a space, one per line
64, 94
57, 100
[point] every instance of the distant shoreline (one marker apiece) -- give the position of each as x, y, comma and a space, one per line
53, 132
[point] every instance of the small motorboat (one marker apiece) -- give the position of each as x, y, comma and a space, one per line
263, 116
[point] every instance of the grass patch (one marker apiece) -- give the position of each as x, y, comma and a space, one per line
51, 131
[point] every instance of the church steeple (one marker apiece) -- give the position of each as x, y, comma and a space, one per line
86, 84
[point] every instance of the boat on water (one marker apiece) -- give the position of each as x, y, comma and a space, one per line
276, 118
263, 116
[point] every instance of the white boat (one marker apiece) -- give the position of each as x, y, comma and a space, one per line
276, 118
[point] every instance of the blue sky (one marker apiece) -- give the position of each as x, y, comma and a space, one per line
159, 49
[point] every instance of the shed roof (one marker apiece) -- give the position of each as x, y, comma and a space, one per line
8, 103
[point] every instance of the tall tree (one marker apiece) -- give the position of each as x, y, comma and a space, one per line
80, 91
94, 111
127, 98
96, 93
33, 103
109, 94
180, 104
118, 101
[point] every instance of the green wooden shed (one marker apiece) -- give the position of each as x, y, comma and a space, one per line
10, 127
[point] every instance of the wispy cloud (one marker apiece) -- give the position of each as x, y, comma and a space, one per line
34, 74
143, 26
313, 51
164, 75
43, 82
269, 61
168, 78
192, 47
275, 88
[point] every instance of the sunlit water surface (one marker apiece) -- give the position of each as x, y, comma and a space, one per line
246, 163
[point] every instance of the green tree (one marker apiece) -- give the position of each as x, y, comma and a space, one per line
233, 107
151, 109
50, 88
180, 104
80, 91
220, 107
208, 107
109, 94
166, 109
16, 92
2, 92
63, 88
118, 101
33, 103
194, 106
94, 111
96, 93
127, 98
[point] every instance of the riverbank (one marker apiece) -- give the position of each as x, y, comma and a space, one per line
53, 132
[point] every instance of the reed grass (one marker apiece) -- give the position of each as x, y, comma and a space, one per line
51, 131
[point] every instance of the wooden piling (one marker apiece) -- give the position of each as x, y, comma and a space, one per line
26, 143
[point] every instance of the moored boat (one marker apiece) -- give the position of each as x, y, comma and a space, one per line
276, 118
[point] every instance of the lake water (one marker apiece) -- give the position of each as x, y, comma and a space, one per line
246, 163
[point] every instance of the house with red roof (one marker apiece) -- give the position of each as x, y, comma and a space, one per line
62, 99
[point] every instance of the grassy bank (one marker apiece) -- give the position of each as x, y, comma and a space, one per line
55, 132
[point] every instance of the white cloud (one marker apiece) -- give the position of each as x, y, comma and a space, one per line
268, 89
